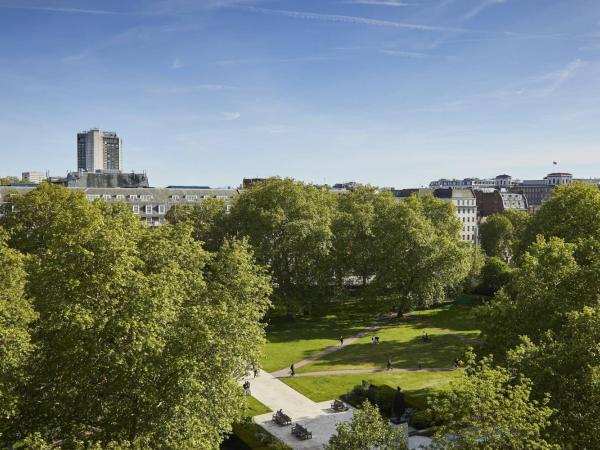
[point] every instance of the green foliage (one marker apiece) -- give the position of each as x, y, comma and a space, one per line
501, 233
353, 235
488, 408
288, 225
142, 334
419, 254
547, 284
206, 218
16, 315
367, 430
566, 365
572, 213
495, 274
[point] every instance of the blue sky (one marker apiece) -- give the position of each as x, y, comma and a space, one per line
388, 92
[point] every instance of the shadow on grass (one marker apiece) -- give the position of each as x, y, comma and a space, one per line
440, 352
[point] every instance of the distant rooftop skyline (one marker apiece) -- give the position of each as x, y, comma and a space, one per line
392, 93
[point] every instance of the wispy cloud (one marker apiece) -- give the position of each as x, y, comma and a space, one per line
403, 53
358, 20
549, 83
396, 3
62, 10
229, 116
177, 64
300, 59
189, 89
483, 5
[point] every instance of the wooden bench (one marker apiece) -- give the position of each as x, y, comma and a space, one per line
301, 432
339, 406
281, 419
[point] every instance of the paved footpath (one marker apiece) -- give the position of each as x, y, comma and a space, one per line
316, 417
359, 371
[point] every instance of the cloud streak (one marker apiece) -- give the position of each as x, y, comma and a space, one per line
396, 3
483, 6
63, 10
356, 20
189, 89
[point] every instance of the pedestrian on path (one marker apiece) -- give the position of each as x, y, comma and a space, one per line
389, 364
292, 370
255, 372
341, 340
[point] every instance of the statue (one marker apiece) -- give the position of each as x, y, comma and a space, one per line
399, 406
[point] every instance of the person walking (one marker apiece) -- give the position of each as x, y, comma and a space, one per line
292, 370
389, 364
341, 340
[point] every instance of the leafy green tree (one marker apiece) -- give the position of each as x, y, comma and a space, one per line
288, 224
566, 365
353, 238
142, 334
367, 430
16, 315
206, 218
501, 233
489, 408
546, 286
495, 274
419, 254
572, 213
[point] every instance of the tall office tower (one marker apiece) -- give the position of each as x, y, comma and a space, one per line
99, 150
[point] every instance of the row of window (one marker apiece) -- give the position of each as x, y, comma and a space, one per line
148, 209
468, 219
147, 198
465, 202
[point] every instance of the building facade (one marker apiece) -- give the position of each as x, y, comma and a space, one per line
150, 204
99, 151
489, 203
33, 176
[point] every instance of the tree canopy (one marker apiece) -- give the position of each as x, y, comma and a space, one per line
489, 408
367, 430
142, 334
419, 254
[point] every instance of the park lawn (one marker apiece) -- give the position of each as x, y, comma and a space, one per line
450, 328
402, 343
290, 341
418, 385
459, 316
254, 407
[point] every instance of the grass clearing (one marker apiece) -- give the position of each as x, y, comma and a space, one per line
289, 341
418, 385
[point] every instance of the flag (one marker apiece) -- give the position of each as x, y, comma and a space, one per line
554, 162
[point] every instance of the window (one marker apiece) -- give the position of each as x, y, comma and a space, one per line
149, 220
120, 197
175, 198
146, 198
133, 197
191, 198
148, 209
92, 197
161, 209
136, 209
107, 197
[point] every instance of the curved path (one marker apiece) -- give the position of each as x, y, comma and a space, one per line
334, 348
359, 371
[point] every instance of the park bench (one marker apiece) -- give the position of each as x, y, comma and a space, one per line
301, 432
281, 419
339, 406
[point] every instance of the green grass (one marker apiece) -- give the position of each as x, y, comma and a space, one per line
451, 328
458, 317
418, 385
254, 407
289, 341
